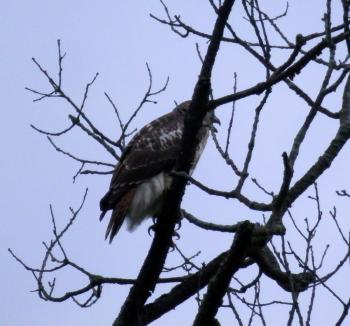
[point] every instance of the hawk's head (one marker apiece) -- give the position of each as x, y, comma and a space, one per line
210, 117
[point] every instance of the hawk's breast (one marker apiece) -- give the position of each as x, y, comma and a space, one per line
147, 200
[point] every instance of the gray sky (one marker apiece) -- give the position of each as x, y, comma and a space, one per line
116, 39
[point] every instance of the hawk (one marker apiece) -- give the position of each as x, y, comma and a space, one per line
143, 173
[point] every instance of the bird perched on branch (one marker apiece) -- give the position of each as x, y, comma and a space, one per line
143, 173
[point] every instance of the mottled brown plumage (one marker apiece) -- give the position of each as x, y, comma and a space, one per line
142, 175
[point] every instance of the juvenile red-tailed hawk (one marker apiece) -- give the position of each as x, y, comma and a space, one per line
142, 176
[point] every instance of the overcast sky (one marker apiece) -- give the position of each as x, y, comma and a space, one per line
116, 39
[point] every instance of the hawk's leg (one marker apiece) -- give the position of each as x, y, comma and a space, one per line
175, 234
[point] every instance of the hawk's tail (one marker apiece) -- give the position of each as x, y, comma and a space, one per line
102, 215
118, 214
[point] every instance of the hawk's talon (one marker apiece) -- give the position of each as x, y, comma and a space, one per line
150, 229
178, 225
176, 235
